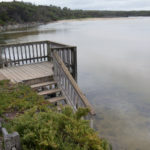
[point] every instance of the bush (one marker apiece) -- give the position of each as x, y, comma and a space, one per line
17, 97
41, 128
40, 125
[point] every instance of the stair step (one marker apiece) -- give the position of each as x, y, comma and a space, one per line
34, 86
52, 91
38, 80
56, 99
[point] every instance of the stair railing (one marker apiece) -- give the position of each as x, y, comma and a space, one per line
69, 87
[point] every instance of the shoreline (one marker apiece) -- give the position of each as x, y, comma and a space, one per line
35, 24
19, 26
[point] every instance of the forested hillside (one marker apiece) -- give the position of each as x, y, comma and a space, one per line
20, 12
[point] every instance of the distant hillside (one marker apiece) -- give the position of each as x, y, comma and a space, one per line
20, 12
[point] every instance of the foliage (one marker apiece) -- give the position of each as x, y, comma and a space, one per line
20, 12
41, 126
46, 129
16, 97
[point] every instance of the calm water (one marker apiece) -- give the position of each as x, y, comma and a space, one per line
113, 72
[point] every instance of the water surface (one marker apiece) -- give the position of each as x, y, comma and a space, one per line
113, 72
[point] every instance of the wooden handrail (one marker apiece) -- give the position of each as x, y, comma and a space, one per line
69, 58
61, 44
35, 42
69, 47
73, 83
23, 53
19, 44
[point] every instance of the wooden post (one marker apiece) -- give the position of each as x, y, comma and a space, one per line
49, 51
25, 50
40, 47
91, 122
1, 60
17, 54
29, 53
44, 51
74, 63
9, 56
33, 53
37, 55
14, 59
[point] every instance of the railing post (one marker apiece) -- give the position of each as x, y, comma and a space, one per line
1, 59
75, 63
91, 122
49, 53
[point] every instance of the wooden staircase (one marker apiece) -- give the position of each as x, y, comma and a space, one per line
50, 91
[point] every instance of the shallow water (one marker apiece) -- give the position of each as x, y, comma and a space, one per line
113, 72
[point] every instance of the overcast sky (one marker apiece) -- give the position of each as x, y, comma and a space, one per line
97, 4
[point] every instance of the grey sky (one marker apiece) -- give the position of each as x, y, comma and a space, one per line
97, 4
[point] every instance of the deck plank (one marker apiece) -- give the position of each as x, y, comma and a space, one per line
40, 69
11, 75
28, 71
2, 77
14, 75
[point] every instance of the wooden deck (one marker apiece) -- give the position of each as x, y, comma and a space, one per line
47, 67
18, 74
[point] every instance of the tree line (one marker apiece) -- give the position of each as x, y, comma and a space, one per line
21, 12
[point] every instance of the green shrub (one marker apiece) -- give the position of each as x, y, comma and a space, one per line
40, 125
17, 97
44, 129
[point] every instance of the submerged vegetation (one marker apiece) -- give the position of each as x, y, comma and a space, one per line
41, 126
20, 12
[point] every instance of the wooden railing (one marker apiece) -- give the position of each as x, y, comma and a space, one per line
69, 87
64, 59
24, 53
34, 52
69, 58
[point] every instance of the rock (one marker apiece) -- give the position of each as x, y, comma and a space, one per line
11, 141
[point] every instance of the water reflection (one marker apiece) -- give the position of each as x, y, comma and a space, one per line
113, 72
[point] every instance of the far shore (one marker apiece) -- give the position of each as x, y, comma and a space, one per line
34, 24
